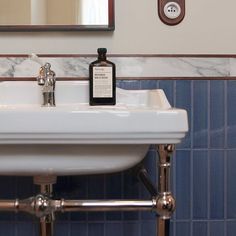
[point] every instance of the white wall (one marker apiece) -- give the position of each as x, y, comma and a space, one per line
38, 12
64, 12
209, 27
10, 14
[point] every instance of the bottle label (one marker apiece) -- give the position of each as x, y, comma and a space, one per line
102, 82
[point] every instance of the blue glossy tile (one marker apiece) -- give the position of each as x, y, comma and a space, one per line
66, 189
78, 229
183, 229
95, 229
130, 191
231, 123
63, 187
96, 190
62, 229
114, 191
200, 114
7, 228
200, 184
21, 216
168, 87
25, 189
231, 184
131, 229
79, 187
148, 228
217, 184
114, 229
113, 186
9, 186
129, 84
217, 114
172, 231
150, 163
217, 228
231, 228
149, 84
184, 101
200, 228
26, 228
183, 184
80, 191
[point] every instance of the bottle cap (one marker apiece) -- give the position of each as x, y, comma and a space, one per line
102, 50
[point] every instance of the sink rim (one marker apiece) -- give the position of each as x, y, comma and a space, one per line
36, 126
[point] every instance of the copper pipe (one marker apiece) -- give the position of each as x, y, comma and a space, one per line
104, 205
165, 204
32, 206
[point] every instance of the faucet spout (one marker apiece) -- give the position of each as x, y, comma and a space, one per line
47, 79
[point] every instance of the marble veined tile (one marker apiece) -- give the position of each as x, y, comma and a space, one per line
126, 66
171, 67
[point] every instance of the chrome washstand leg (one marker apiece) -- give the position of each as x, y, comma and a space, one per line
44, 206
165, 201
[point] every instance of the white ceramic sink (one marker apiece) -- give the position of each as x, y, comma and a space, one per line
75, 138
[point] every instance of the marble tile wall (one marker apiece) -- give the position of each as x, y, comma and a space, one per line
126, 66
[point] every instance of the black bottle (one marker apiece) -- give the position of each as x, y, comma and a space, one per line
102, 76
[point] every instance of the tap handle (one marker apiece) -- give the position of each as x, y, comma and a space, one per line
45, 73
48, 70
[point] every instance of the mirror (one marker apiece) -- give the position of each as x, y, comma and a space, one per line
56, 15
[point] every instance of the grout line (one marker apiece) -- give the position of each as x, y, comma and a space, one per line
209, 114
225, 155
191, 159
226, 113
16, 215
174, 163
127, 221
225, 192
208, 157
206, 149
122, 192
86, 214
104, 197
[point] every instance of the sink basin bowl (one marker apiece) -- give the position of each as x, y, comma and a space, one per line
75, 138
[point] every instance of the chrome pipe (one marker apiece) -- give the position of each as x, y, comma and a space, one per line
165, 152
104, 205
41, 206
143, 176
163, 227
165, 204
46, 226
9, 205
46, 189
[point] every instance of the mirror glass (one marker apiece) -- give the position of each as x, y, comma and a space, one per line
56, 14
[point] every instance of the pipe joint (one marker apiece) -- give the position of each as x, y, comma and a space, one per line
40, 205
165, 205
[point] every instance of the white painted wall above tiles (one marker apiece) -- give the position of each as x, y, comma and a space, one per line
208, 28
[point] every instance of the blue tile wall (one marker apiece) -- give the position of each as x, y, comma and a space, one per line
204, 174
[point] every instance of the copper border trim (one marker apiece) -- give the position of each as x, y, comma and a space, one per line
128, 55
120, 78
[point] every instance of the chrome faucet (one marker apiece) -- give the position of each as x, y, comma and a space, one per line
47, 79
